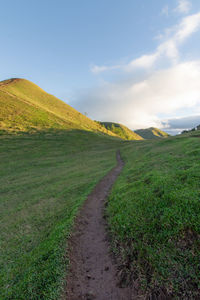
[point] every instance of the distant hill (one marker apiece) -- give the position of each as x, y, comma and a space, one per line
122, 131
151, 133
197, 128
25, 107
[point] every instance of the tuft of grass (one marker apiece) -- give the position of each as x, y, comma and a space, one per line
44, 179
154, 216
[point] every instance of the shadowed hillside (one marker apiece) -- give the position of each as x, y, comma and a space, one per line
122, 131
151, 133
26, 107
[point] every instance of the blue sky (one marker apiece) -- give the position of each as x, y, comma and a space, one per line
134, 62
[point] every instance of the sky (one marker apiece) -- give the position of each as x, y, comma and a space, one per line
127, 61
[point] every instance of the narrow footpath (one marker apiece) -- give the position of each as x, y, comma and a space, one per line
93, 273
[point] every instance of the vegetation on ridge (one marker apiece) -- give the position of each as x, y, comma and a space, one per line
151, 133
122, 131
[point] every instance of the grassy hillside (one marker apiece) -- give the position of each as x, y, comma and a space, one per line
44, 179
26, 107
151, 133
153, 211
154, 216
122, 131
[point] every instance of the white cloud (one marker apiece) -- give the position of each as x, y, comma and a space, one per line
98, 69
183, 7
169, 49
188, 26
145, 61
139, 104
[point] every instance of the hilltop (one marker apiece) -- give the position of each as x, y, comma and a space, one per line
151, 133
122, 131
26, 107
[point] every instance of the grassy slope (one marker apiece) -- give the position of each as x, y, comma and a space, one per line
44, 179
25, 107
122, 131
154, 215
151, 133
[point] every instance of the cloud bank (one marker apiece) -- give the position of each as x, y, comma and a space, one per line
138, 104
177, 125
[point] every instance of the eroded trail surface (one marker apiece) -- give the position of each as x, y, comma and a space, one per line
93, 273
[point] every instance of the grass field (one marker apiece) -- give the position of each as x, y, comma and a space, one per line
154, 215
44, 179
153, 211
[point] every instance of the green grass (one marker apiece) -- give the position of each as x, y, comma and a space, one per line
44, 180
154, 215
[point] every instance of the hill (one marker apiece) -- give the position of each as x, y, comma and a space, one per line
151, 133
26, 107
122, 131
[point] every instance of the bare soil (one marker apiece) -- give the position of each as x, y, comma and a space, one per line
92, 269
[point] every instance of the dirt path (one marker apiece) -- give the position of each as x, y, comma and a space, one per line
93, 274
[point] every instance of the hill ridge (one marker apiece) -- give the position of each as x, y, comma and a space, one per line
151, 133
121, 130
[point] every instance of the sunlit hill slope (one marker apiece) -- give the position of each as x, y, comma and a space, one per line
122, 131
26, 107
